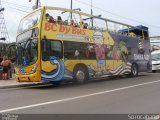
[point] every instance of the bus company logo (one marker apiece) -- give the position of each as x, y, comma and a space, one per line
64, 29
86, 38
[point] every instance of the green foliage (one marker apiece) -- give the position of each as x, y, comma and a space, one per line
5, 49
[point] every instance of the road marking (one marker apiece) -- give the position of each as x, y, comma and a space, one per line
74, 98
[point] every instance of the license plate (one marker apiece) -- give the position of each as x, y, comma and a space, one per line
23, 78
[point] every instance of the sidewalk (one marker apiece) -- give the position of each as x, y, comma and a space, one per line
12, 83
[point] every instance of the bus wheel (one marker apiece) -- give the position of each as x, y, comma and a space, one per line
80, 74
134, 70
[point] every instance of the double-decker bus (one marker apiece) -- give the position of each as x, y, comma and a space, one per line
54, 45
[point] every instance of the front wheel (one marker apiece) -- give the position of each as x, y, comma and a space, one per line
80, 74
134, 70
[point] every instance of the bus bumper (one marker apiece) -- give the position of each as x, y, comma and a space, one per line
35, 77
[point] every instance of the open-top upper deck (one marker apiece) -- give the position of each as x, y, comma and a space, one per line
82, 20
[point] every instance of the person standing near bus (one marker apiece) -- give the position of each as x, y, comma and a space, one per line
100, 50
5, 63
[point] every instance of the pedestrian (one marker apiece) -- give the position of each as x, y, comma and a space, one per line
6, 64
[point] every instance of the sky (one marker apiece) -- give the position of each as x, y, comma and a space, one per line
132, 12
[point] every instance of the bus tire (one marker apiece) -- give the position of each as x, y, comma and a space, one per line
134, 70
80, 74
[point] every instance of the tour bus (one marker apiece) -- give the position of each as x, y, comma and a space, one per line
57, 44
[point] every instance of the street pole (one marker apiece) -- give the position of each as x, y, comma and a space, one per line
91, 14
37, 3
71, 9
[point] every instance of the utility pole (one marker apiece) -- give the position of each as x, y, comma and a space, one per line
91, 14
37, 4
71, 9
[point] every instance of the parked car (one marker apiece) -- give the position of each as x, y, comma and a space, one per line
155, 60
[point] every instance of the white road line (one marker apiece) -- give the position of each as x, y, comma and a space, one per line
74, 98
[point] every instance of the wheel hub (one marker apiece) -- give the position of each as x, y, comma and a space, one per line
80, 75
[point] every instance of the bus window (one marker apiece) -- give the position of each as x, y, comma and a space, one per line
29, 21
51, 48
76, 50
56, 49
72, 50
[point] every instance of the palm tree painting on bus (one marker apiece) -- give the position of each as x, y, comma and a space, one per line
119, 52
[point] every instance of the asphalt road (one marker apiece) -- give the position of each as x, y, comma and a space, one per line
123, 95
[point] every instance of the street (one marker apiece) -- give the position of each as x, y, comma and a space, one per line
112, 96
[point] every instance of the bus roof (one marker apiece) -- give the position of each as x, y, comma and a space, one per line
139, 27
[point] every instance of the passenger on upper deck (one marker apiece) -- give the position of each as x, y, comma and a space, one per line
50, 18
59, 20
72, 23
85, 25
65, 22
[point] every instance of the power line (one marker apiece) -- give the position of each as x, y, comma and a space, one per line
117, 14
18, 9
10, 3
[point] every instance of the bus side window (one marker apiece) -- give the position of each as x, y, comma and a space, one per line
46, 48
43, 46
56, 48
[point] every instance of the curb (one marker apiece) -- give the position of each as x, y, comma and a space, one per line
23, 85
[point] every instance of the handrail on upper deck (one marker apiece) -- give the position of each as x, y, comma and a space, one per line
93, 16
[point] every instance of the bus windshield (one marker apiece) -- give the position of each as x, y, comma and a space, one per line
29, 21
27, 52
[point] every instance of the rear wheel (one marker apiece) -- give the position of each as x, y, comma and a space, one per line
80, 74
134, 70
